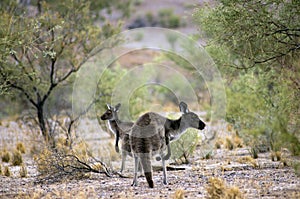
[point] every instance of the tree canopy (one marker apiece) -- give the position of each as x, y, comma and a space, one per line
44, 43
256, 45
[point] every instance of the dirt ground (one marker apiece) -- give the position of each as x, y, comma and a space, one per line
263, 178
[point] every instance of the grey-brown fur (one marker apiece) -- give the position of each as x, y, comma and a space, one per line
120, 129
151, 134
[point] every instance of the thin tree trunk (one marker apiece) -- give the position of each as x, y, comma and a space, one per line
40, 113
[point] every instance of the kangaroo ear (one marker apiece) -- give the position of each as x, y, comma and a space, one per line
108, 106
183, 107
117, 107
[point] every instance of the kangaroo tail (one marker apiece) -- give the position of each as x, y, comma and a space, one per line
147, 167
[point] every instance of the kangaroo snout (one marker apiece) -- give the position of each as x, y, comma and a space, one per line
201, 125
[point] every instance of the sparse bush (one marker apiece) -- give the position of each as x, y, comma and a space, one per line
184, 146
149, 17
75, 162
17, 158
5, 156
20, 147
174, 21
1, 170
7, 171
23, 171
179, 194
168, 19
217, 189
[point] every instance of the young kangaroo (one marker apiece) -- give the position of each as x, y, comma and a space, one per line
120, 129
151, 134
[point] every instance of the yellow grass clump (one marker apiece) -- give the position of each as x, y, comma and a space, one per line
17, 158
5, 156
217, 189
23, 171
276, 156
20, 147
247, 159
179, 194
7, 171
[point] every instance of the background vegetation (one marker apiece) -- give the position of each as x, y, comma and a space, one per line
256, 46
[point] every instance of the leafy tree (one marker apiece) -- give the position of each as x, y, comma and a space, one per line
44, 45
256, 45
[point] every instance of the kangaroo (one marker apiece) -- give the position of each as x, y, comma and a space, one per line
120, 129
151, 134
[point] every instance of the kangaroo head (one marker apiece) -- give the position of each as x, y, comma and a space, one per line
111, 112
190, 119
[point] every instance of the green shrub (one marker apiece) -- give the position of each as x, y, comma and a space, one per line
150, 17
168, 19
174, 21
262, 93
184, 147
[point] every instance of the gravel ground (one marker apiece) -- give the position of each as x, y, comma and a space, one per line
264, 179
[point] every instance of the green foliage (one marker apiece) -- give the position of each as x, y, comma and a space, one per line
105, 88
185, 146
255, 31
168, 19
254, 43
44, 46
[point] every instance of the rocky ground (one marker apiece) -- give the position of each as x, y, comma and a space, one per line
261, 178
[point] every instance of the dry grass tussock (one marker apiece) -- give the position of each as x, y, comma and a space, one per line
248, 160
17, 158
5, 156
179, 194
79, 193
217, 189
21, 147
